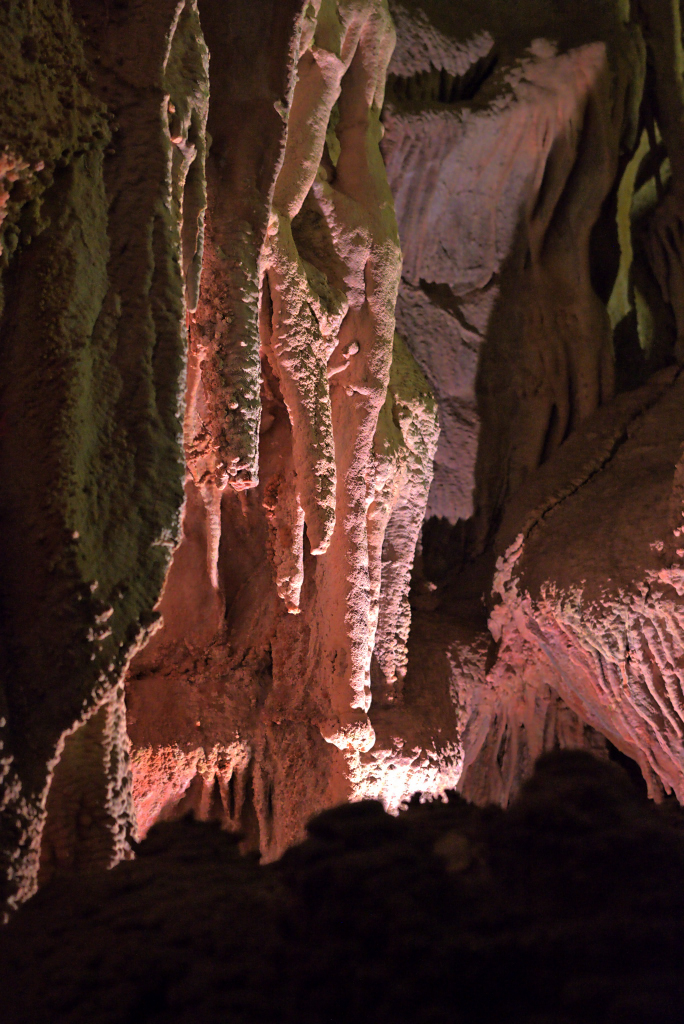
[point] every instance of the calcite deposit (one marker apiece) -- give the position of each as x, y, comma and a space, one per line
343, 439
502, 145
590, 591
340, 429
537, 199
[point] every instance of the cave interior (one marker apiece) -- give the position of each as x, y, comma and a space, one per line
342, 610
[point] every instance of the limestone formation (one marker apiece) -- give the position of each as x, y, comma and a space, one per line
590, 598
501, 148
343, 441
562, 153
340, 414
103, 179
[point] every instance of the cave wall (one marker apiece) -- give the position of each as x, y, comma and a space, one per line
97, 177
504, 136
279, 281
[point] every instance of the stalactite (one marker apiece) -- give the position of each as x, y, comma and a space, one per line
339, 490
404, 447
536, 166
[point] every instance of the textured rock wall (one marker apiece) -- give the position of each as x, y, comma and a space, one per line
538, 204
504, 134
216, 363
103, 136
590, 597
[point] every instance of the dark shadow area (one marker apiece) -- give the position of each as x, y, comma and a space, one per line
567, 908
629, 766
438, 87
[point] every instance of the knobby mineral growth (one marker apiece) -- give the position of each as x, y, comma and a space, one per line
330, 465
554, 146
331, 347
608, 641
501, 149
102, 201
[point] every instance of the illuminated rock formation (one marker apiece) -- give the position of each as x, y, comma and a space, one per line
590, 591
516, 265
586, 606
501, 149
276, 291
341, 441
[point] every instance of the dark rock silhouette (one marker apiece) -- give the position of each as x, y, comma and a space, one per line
568, 908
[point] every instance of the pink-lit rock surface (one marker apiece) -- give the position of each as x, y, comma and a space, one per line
590, 593
501, 148
281, 280
286, 610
